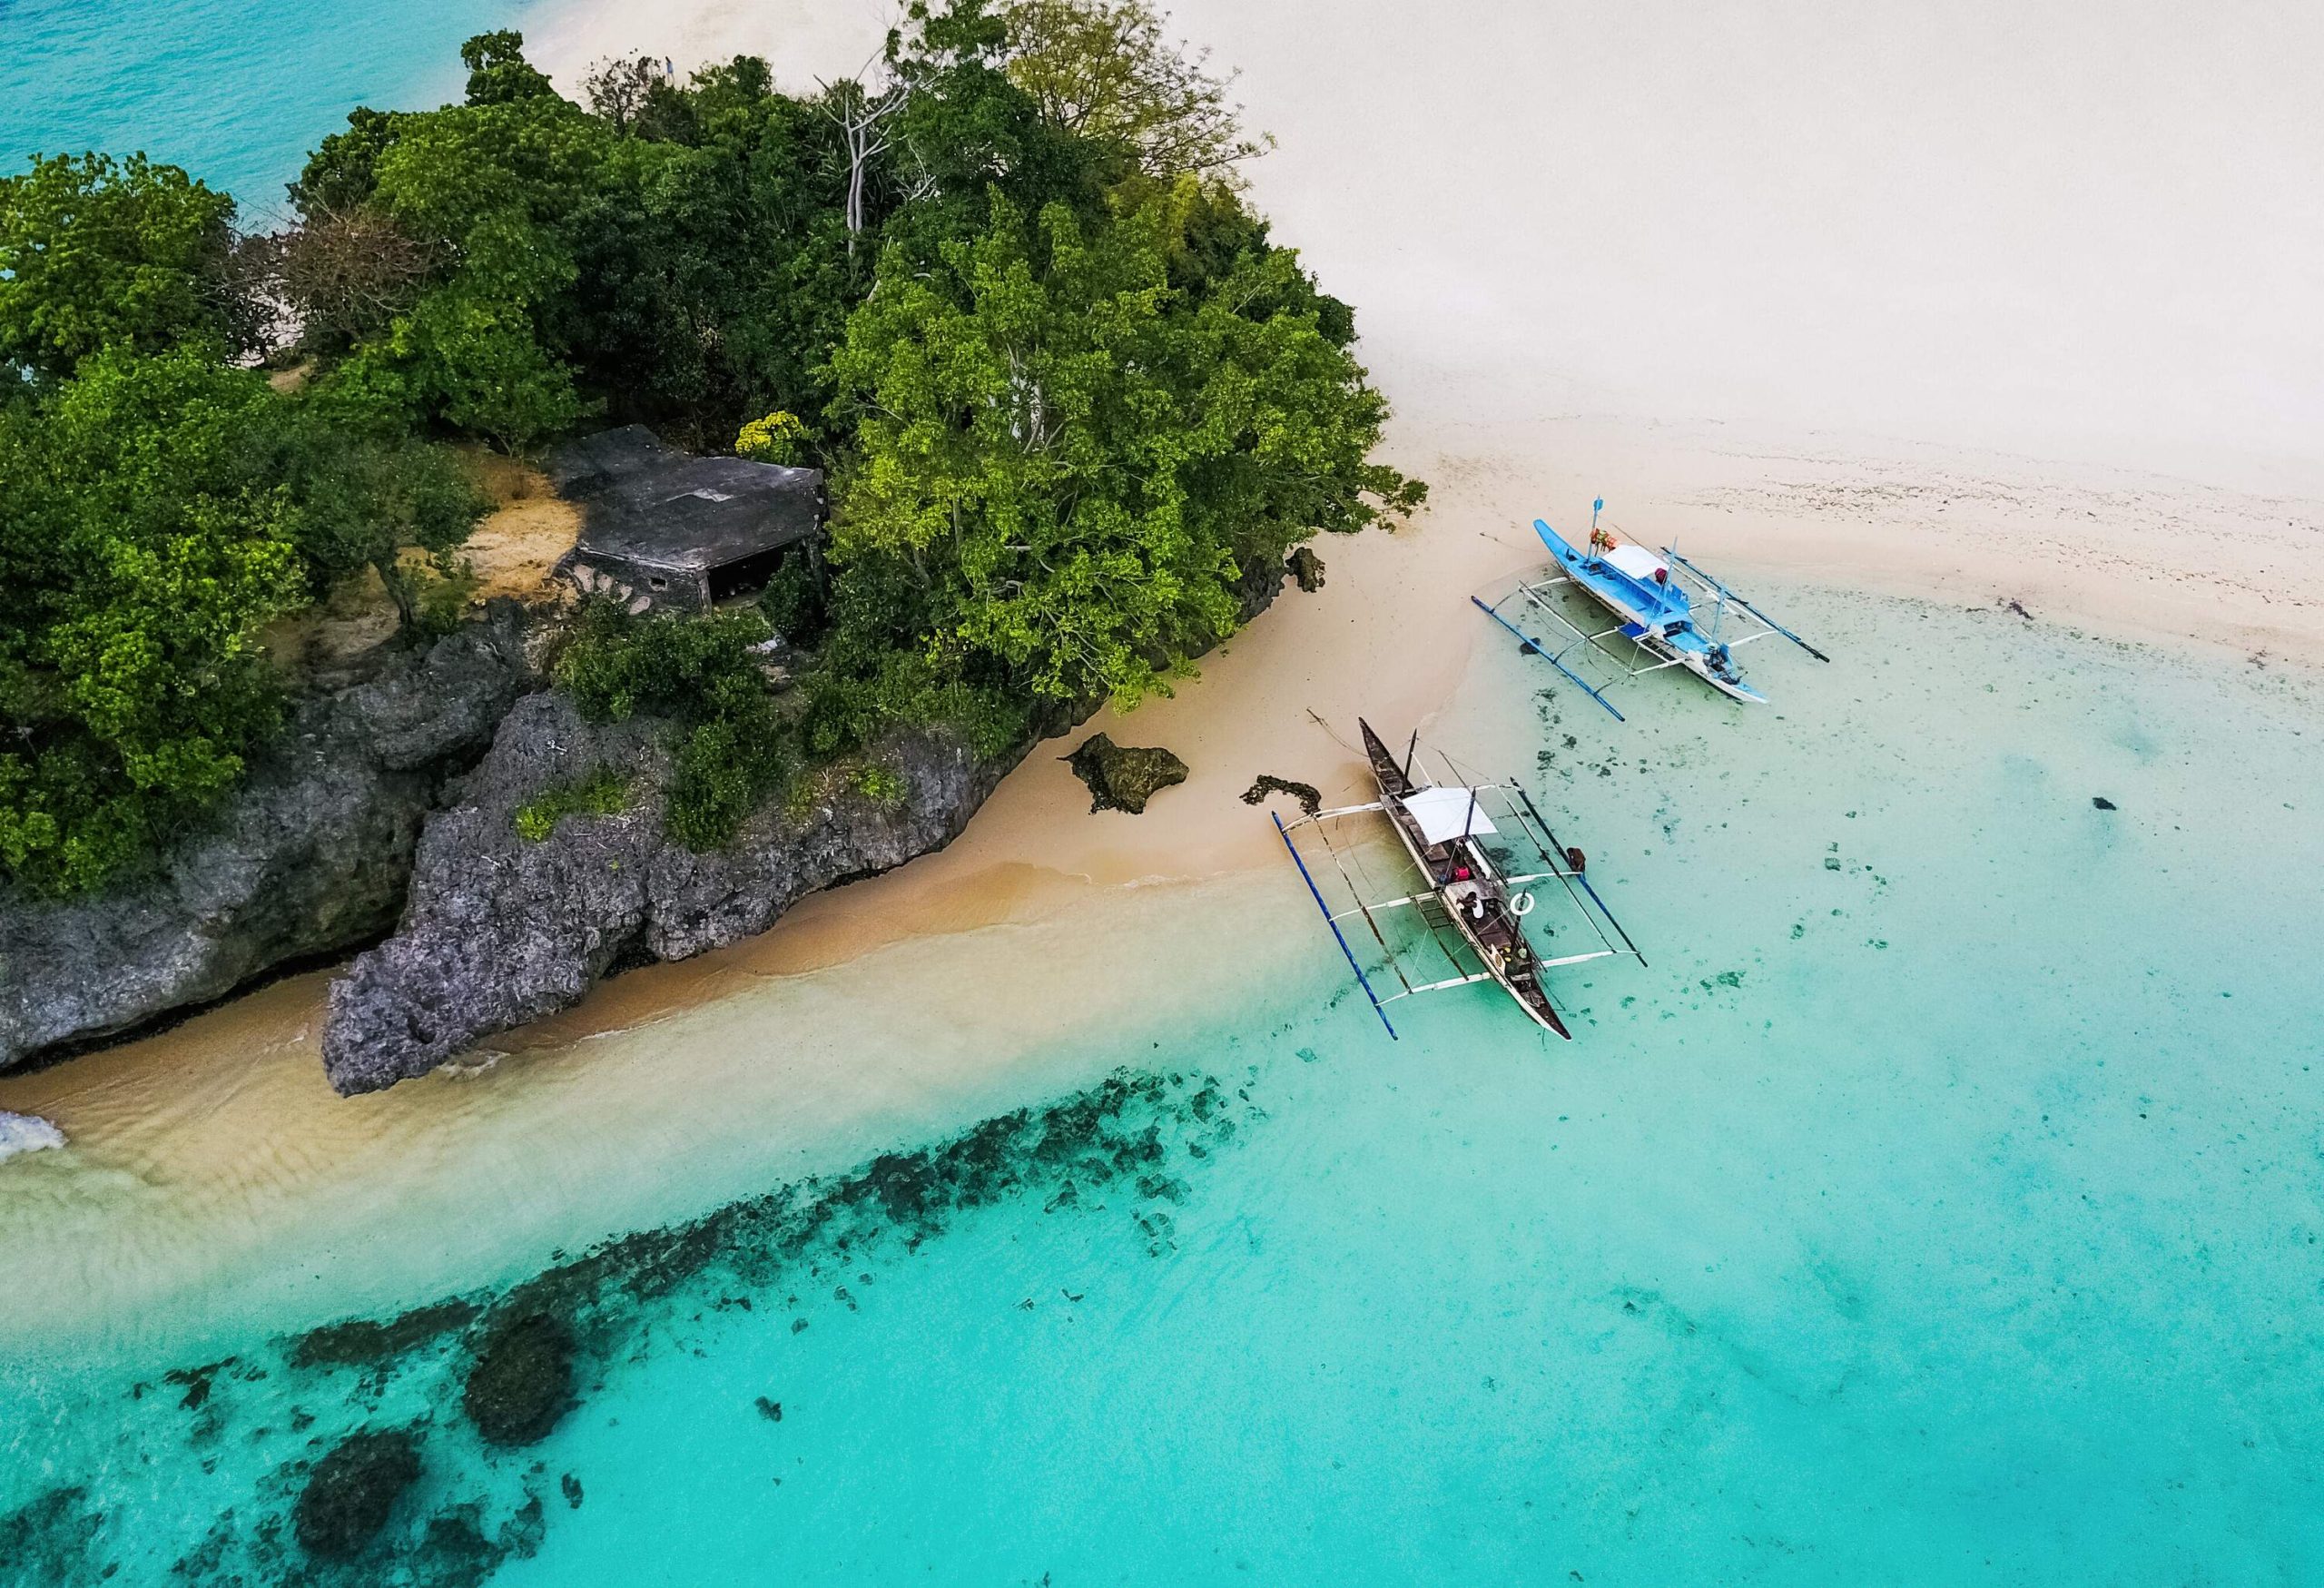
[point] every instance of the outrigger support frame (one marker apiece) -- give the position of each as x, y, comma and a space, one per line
1528, 819
1338, 936
1554, 658
1746, 607
1578, 875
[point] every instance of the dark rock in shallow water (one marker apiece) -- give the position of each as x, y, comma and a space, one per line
1123, 777
522, 1382
352, 1491
196, 1382
307, 857
570, 1487
1305, 567
360, 1342
1310, 801
2102, 802
771, 1410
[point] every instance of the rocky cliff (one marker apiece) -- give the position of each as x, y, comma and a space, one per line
501, 930
308, 857
394, 798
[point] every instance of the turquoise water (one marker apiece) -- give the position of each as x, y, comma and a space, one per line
1941, 1205
235, 91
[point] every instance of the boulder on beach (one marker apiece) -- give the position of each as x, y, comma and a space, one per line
26, 1133
352, 1490
1310, 800
1123, 777
1305, 567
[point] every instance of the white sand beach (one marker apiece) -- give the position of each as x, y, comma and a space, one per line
1791, 338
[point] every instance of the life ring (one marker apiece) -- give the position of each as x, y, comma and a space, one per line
1521, 904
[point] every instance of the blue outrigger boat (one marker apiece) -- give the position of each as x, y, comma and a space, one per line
1656, 613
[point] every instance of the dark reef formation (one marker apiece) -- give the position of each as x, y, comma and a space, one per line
1123, 777
50, 1540
308, 857
348, 1499
424, 1449
361, 1342
522, 1382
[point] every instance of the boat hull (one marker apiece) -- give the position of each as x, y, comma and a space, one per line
1523, 987
1643, 613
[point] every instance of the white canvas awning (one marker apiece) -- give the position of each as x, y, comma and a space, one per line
1446, 814
1636, 561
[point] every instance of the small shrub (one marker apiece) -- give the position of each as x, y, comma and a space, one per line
779, 437
729, 752
441, 598
664, 664
881, 784
603, 793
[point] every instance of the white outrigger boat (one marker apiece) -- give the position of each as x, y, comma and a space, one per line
1472, 909
1657, 614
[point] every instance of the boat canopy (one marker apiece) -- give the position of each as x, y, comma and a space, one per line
1636, 561
1446, 814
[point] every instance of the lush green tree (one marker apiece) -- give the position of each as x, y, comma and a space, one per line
138, 557
1075, 462
498, 73
1103, 70
98, 252
488, 188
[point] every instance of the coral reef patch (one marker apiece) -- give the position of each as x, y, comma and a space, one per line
339, 1416
352, 1491
522, 1382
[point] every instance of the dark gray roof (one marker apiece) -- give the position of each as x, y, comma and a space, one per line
644, 502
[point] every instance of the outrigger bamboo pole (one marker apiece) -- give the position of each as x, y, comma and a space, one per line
1317, 895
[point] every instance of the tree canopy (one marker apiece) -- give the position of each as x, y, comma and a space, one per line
98, 252
1077, 460
1005, 288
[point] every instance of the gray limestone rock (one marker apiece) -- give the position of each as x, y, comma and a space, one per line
307, 857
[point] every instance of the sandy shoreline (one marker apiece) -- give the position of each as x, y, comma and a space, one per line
2089, 551
227, 1118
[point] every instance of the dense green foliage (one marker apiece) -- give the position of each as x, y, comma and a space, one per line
139, 553
1077, 458
1071, 399
155, 511
96, 254
730, 751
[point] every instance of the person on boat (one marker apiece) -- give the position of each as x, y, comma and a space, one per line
1474, 906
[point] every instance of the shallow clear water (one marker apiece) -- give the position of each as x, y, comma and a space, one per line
1941, 1205
235, 91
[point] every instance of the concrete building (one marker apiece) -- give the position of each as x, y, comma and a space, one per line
662, 527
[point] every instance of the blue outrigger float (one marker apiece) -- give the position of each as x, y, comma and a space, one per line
1656, 613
